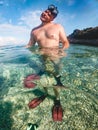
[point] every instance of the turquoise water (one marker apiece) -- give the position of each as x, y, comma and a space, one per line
79, 100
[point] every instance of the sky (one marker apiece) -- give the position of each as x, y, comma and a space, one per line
18, 17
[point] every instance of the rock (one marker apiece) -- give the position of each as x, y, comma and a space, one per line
88, 36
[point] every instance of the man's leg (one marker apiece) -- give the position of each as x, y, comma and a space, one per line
46, 90
56, 93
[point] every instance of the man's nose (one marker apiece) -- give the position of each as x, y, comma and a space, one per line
44, 13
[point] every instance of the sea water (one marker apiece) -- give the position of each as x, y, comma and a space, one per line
79, 100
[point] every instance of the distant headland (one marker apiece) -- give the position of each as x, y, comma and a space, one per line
88, 36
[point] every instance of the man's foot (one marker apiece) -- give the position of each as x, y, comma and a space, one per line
36, 101
57, 111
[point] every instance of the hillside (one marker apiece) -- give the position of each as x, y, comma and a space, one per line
88, 36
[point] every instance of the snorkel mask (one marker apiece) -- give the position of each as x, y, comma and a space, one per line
53, 9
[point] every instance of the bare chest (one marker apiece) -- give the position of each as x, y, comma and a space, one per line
46, 33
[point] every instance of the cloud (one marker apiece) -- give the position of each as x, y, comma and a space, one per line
10, 27
11, 34
68, 17
31, 18
10, 40
18, 34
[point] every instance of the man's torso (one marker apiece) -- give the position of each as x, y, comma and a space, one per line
47, 35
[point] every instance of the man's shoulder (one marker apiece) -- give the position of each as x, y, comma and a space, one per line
35, 28
58, 25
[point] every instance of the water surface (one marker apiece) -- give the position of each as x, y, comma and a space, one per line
79, 100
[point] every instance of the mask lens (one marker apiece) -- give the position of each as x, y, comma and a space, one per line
54, 11
51, 7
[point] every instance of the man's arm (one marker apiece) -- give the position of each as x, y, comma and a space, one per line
31, 41
63, 38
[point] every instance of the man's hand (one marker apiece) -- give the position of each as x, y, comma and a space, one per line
27, 46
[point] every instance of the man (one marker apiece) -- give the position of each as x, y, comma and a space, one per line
48, 36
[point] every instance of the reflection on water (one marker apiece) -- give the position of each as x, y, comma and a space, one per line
80, 100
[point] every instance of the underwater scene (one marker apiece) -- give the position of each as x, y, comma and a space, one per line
79, 98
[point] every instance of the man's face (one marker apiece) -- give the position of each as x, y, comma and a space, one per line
46, 16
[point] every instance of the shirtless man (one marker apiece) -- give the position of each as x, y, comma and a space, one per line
49, 35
